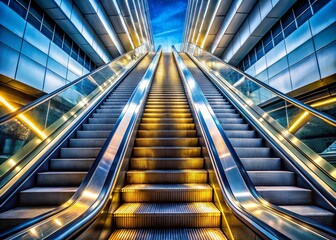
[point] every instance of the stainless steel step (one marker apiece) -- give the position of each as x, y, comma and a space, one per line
313, 212
167, 176
168, 233
91, 152
102, 120
258, 164
168, 215
240, 133
166, 120
246, 142
147, 163
46, 196
182, 142
166, 133
60, 179
245, 152
167, 126
167, 193
71, 164
167, 151
86, 142
285, 195
272, 178
93, 134
97, 127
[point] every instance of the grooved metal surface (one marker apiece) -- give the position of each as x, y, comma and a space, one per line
66, 171
267, 171
167, 186
173, 233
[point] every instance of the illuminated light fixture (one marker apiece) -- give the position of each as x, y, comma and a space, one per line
58, 222
132, 21
199, 12
210, 24
30, 124
200, 29
304, 117
137, 16
122, 20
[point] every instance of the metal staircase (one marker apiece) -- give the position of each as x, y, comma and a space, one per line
274, 182
54, 186
167, 191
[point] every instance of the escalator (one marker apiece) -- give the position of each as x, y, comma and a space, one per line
273, 177
167, 191
166, 170
61, 175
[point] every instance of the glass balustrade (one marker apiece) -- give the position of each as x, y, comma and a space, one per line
24, 136
315, 132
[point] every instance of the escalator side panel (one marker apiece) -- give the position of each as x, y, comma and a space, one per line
61, 175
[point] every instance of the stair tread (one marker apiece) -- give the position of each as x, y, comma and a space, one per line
281, 188
167, 171
171, 233
307, 210
186, 187
50, 189
24, 212
167, 208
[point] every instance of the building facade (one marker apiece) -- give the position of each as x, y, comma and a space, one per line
290, 45
45, 44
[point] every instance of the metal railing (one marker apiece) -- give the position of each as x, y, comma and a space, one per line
30, 131
253, 92
94, 192
237, 189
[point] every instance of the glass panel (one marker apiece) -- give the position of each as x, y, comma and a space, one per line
30, 132
311, 132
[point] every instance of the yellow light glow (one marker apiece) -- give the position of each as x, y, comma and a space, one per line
58, 222
296, 125
30, 124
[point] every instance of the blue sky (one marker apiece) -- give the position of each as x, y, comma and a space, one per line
167, 19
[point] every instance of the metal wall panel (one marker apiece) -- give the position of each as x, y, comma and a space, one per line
281, 81
8, 61
11, 20
325, 37
30, 72
298, 37
278, 52
71, 76
301, 52
57, 67
58, 55
320, 22
36, 38
52, 81
327, 60
260, 65
304, 72
33, 53
10, 39
277, 67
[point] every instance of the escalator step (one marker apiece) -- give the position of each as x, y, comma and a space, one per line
167, 193
135, 215
167, 176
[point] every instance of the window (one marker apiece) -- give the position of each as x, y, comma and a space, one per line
301, 11
18, 8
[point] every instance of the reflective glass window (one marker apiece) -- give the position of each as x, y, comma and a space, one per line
317, 5
36, 10
47, 32
300, 7
4, 1
24, 3
18, 8
287, 19
291, 28
33, 21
